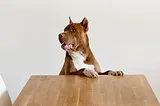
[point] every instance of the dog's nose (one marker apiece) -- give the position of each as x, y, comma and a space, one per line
60, 35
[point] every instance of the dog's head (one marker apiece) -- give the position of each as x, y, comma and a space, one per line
74, 35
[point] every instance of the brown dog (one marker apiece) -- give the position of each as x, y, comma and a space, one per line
79, 58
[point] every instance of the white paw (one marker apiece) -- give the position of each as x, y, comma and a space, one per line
90, 73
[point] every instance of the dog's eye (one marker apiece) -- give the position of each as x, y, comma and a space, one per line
73, 29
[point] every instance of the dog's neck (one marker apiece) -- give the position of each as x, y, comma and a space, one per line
78, 58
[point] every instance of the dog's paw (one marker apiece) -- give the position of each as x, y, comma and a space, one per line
90, 73
115, 73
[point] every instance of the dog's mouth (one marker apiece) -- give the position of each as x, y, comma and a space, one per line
66, 46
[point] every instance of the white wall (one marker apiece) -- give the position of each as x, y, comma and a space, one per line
124, 34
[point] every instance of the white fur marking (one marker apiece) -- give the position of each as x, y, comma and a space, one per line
78, 61
91, 73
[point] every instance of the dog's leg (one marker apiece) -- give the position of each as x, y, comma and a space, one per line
90, 73
86, 72
111, 72
79, 72
67, 66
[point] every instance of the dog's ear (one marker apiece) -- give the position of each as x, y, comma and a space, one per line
84, 23
70, 21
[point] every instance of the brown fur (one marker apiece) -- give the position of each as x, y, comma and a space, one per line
76, 34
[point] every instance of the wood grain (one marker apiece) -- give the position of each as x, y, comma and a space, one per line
130, 90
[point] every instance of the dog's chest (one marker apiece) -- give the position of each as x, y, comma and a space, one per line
78, 61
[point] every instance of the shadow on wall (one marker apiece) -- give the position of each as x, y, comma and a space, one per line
5, 99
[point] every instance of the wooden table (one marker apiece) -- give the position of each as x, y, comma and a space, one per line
130, 90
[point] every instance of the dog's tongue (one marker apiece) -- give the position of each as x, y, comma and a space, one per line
66, 47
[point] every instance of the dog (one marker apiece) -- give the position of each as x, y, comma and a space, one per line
79, 59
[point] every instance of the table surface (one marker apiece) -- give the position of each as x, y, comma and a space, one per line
130, 90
